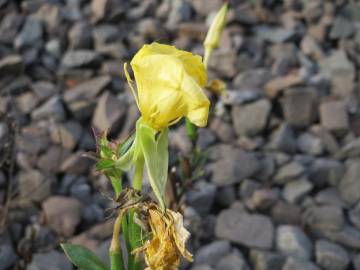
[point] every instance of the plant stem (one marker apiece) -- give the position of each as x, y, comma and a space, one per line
116, 258
134, 231
208, 52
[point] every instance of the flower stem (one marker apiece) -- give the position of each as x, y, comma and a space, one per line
116, 258
207, 54
134, 230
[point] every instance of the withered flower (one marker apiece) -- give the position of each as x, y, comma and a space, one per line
167, 240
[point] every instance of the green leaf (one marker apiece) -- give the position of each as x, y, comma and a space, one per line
123, 147
155, 151
83, 258
104, 164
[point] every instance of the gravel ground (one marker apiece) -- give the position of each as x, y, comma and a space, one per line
281, 186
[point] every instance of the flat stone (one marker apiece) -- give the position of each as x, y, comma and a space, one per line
265, 260
286, 213
299, 106
331, 256
277, 85
63, 214
325, 172
275, 34
233, 261
30, 34
310, 144
296, 190
80, 58
250, 230
235, 166
283, 139
49, 260
67, 134
11, 65
354, 215
108, 112
348, 236
325, 217
201, 197
289, 171
76, 163
349, 150
341, 72
33, 185
342, 28
350, 184
298, 264
292, 241
211, 253
334, 117
251, 119
253, 79
52, 108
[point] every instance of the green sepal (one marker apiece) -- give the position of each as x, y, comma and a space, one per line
154, 148
83, 258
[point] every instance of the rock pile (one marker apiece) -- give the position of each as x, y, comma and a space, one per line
281, 188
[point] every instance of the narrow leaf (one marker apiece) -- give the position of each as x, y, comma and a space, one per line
83, 258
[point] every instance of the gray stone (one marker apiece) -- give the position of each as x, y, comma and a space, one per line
80, 58
50, 260
356, 261
354, 215
224, 63
250, 230
205, 138
341, 28
325, 217
44, 89
275, 35
30, 34
52, 108
310, 144
180, 11
251, 119
298, 264
223, 130
202, 267
11, 65
299, 106
253, 79
325, 172
233, 261
204, 7
81, 99
341, 72
233, 167
331, 256
210, 254
265, 260
62, 214
292, 241
201, 197
108, 113
27, 102
333, 116
67, 134
237, 97
296, 190
328, 139
348, 236
289, 171
349, 185
283, 139
33, 185
80, 35
8, 256
351, 149
224, 196
285, 213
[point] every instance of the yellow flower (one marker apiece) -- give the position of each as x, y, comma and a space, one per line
169, 86
214, 34
167, 244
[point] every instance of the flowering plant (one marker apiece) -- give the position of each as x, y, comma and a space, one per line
169, 86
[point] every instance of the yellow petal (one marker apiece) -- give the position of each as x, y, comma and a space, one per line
169, 85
